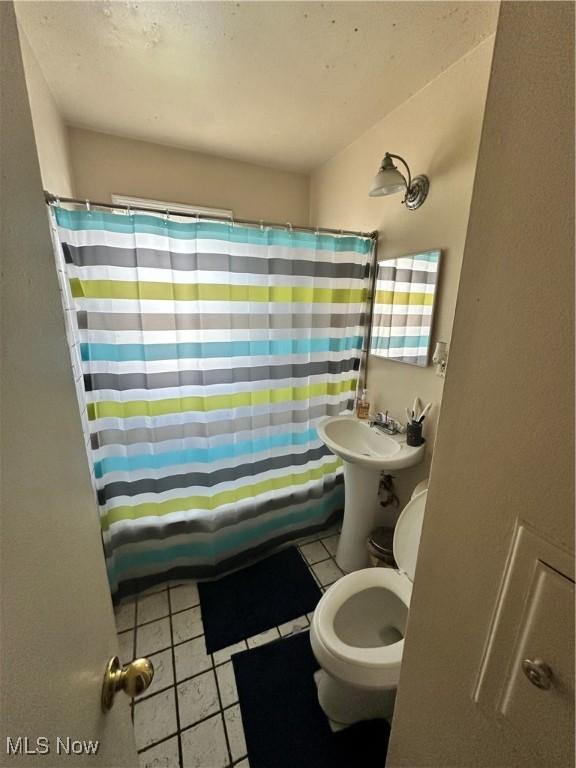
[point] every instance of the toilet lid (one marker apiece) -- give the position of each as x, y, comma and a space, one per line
407, 534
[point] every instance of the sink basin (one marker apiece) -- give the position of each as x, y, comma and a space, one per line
355, 441
358, 443
365, 452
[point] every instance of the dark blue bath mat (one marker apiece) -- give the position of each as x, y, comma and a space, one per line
283, 722
257, 598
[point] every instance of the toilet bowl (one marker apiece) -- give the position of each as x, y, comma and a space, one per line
357, 630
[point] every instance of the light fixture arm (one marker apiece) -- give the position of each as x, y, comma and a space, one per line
405, 164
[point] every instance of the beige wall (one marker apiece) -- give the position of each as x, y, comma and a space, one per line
105, 164
49, 129
438, 132
505, 440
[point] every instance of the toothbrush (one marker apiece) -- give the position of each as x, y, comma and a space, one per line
415, 409
424, 412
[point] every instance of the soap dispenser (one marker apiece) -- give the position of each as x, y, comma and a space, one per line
363, 406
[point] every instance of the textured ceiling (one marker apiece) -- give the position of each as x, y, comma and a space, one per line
286, 84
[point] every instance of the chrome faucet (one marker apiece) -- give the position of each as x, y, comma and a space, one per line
384, 423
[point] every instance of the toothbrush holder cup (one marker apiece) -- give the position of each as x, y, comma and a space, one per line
414, 434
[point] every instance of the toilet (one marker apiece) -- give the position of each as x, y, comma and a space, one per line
357, 631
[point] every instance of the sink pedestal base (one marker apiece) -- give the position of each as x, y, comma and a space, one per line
360, 516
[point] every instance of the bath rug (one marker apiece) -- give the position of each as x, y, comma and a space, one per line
254, 599
284, 725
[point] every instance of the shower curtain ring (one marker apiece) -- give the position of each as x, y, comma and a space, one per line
88, 205
262, 224
289, 226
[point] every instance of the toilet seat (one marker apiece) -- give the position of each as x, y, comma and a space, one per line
380, 657
367, 666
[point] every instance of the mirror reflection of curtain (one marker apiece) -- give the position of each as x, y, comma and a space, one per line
403, 307
209, 352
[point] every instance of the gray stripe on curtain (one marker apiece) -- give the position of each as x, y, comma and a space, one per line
403, 320
212, 428
127, 381
97, 255
119, 321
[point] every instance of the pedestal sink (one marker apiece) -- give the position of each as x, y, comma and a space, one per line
365, 452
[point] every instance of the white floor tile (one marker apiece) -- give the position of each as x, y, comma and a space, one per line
191, 658
327, 572
224, 655
293, 626
243, 764
154, 718
235, 730
187, 624
126, 646
185, 596
153, 637
163, 755
307, 539
153, 590
125, 615
197, 698
314, 552
331, 544
204, 745
262, 638
227, 684
163, 672
152, 607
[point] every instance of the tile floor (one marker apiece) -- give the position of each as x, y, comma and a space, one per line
190, 717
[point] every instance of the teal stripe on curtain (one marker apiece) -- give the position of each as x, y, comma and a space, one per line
209, 353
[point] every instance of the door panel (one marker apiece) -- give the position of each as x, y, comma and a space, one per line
57, 621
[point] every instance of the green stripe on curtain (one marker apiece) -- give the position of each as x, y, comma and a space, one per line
166, 410
194, 503
125, 410
123, 289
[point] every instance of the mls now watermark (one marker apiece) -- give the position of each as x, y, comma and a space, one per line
61, 745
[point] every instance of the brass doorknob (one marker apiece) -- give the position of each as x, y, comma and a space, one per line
133, 679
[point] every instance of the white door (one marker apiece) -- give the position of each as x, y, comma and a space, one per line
57, 624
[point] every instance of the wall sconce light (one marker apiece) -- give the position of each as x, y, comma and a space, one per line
389, 180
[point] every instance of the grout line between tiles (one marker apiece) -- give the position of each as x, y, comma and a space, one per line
177, 707
156, 743
134, 639
221, 710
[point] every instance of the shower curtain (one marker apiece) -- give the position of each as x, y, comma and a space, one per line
209, 351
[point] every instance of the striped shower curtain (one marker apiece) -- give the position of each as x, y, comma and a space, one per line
209, 351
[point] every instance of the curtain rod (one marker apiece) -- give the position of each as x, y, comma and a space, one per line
56, 200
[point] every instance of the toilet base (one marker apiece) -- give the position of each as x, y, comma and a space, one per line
345, 704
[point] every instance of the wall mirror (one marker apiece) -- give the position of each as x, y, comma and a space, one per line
404, 307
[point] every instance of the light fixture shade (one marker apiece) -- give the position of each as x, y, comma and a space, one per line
387, 181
